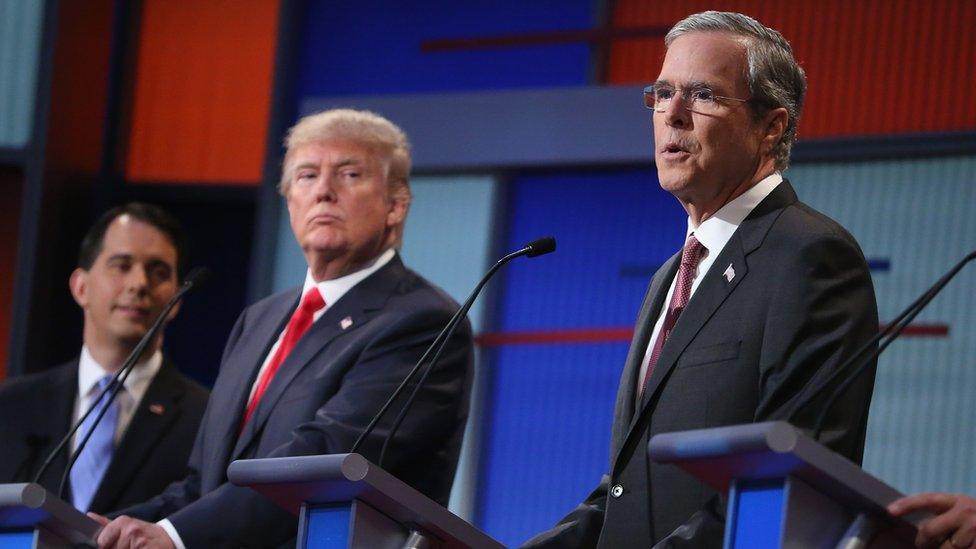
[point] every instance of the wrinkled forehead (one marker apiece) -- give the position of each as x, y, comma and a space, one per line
336, 151
712, 58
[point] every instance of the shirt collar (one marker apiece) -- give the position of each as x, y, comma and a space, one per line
332, 290
714, 233
90, 371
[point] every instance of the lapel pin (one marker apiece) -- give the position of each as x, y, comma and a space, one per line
157, 409
729, 273
345, 322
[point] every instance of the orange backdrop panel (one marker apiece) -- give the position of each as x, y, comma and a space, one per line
202, 91
873, 66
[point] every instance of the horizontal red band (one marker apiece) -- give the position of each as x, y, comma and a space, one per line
624, 334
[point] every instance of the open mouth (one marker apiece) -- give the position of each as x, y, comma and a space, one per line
674, 151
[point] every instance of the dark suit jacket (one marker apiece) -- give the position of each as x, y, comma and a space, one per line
326, 391
801, 302
36, 412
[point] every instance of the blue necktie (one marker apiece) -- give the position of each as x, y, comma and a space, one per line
88, 471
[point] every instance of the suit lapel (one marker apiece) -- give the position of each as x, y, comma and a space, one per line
713, 290
351, 311
253, 347
650, 309
157, 410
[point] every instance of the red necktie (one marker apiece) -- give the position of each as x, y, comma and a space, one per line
690, 257
300, 322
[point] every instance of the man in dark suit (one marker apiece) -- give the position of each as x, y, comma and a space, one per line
128, 269
766, 299
305, 370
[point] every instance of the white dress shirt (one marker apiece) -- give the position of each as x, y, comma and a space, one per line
331, 291
134, 388
713, 234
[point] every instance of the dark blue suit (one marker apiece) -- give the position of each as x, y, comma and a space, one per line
37, 410
744, 350
324, 394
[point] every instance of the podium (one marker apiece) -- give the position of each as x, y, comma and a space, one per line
343, 500
786, 489
30, 516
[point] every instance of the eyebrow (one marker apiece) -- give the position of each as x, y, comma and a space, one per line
340, 164
693, 85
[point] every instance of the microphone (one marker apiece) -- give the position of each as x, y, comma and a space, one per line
196, 277
891, 332
532, 249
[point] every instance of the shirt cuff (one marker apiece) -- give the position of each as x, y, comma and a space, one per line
172, 533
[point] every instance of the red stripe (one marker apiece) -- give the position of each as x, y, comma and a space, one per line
624, 334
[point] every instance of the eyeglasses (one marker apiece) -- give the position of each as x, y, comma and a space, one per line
699, 99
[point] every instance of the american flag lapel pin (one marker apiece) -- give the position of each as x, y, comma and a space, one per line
157, 408
729, 273
345, 322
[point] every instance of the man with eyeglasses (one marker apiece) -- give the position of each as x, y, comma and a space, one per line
766, 298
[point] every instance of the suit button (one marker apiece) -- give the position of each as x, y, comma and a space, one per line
617, 490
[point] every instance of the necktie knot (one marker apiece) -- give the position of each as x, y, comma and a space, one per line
102, 383
692, 252
312, 302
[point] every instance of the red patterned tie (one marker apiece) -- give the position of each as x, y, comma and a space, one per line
690, 257
300, 322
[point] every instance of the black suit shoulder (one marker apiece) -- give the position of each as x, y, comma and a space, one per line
35, 411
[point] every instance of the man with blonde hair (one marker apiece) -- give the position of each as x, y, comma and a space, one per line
305, 370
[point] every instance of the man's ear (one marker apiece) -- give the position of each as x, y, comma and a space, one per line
776, 121
173, 311
78, 284
399, 204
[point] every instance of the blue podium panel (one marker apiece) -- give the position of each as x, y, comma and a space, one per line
755, 519
326, 526
16, 539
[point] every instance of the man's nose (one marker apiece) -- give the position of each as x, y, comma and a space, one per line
676, 114
137, 279
324, 188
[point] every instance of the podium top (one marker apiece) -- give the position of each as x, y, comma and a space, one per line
342, 478
769, 450
31, 506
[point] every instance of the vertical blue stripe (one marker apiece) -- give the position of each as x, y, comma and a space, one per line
448, 240
551, 406
919, 215
328, 526
20, 42
756, 519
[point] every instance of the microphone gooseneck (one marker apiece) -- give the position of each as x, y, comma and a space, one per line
532, 249
886, 337
193, 279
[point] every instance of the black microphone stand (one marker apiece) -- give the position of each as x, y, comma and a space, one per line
532, 249
886, 337
112, 389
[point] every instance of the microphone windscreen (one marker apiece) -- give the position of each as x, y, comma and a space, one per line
541, 246
196, 277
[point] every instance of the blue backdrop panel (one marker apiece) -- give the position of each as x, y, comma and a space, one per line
20, 43
373, 46
914, 217
550, 406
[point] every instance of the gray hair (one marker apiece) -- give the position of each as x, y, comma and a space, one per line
361, 127
775, 78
